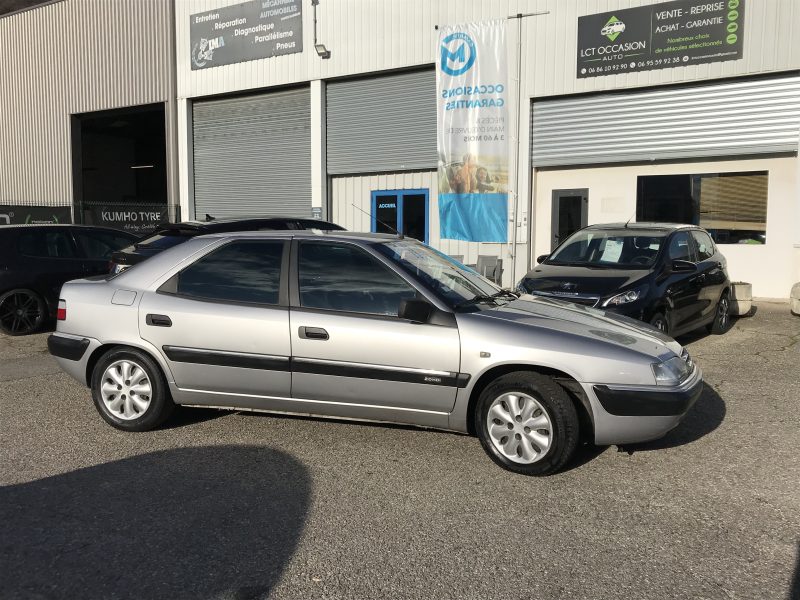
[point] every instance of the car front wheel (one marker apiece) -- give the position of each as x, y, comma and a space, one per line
129, 391
527, 423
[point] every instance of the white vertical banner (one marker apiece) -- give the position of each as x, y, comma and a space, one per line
472, 131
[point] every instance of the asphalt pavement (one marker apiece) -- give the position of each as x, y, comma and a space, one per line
239, 505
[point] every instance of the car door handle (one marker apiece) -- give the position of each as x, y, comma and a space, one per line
158, 320
313, 333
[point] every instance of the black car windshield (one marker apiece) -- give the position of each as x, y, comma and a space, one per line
166, 238
610, 248
454, 283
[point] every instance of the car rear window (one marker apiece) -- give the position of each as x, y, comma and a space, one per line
162, 240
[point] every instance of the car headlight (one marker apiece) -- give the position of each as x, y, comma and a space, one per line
626, 297
671, 372
521, 287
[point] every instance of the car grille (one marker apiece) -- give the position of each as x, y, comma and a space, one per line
577, 299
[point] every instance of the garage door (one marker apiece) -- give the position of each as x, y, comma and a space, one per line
252, 155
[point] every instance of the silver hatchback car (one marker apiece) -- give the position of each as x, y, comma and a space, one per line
372, 327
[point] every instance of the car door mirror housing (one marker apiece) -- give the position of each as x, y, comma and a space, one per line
682, 266
542, 257
416, 311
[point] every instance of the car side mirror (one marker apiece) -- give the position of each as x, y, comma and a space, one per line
416, 311
682, 266
542, 257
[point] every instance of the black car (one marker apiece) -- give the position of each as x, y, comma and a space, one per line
36, 260
671, 276
172, 234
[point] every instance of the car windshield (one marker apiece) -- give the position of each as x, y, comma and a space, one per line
613, 248
161, 240
454, 283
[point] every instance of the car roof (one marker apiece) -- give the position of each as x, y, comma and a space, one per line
17, 226
223, 224
649, 226
309, 234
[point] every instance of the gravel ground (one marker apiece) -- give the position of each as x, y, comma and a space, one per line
234, 505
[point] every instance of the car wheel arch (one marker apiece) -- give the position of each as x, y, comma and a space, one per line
103, 349
564, 379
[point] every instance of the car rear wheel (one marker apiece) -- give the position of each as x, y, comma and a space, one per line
21, 312
527, 423
722, 317
129, 391
659, 321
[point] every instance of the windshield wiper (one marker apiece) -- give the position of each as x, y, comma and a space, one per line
487, 298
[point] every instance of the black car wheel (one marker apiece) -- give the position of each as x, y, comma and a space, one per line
21, 312
722, 318
659, 321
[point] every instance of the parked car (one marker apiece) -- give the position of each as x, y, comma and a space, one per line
172, 234
367, 326
35, 260
671, 276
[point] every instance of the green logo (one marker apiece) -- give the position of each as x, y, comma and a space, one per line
733, 27
731, 39
733, 15
733, 4
613, 28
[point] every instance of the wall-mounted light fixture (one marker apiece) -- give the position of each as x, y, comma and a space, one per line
322, 51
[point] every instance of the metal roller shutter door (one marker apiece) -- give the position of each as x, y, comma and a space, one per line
725, 119
382, 124
252, 155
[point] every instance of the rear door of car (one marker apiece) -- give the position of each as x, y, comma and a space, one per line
711, 274
48, 258
349, 347
222, 324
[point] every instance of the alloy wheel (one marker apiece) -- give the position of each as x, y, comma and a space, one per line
126, 390
722, 312
519, 427
20, 313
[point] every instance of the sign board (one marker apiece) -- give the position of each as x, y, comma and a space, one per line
34, 215
248, 31
472, 132
659, 36
134, 219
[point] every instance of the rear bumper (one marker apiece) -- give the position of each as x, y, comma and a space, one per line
69, 348
627, 415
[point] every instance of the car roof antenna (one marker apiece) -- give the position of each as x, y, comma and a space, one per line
397, 233
629, 220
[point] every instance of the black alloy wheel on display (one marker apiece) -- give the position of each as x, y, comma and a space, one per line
21, 312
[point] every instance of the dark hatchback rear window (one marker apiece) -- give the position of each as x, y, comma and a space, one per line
163, 240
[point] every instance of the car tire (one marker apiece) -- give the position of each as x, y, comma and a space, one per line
22, 312
129, 390
527, 423
722, 316
660, 322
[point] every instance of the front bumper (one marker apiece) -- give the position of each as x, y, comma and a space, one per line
628, 414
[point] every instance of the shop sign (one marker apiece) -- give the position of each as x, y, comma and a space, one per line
135, 219
248, 31
472, 140
659, 36
34, 215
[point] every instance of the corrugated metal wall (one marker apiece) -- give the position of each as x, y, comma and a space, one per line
72, 57
376, 35
367, 135
724, 119
349, 191
252, 155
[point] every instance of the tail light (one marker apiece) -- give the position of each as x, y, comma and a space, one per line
61, 313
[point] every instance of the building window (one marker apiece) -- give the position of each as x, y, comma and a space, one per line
731, 206
403, 211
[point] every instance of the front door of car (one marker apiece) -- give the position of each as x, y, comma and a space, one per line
348, 344
222, 324
683, 286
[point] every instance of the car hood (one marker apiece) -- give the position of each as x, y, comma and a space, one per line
584, 322
566, 281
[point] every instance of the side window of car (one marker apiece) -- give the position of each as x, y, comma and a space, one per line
705, 248
238, 272
46, 244
346, 278
679, 247
100, 244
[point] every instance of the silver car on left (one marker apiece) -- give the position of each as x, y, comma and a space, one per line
369, 327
